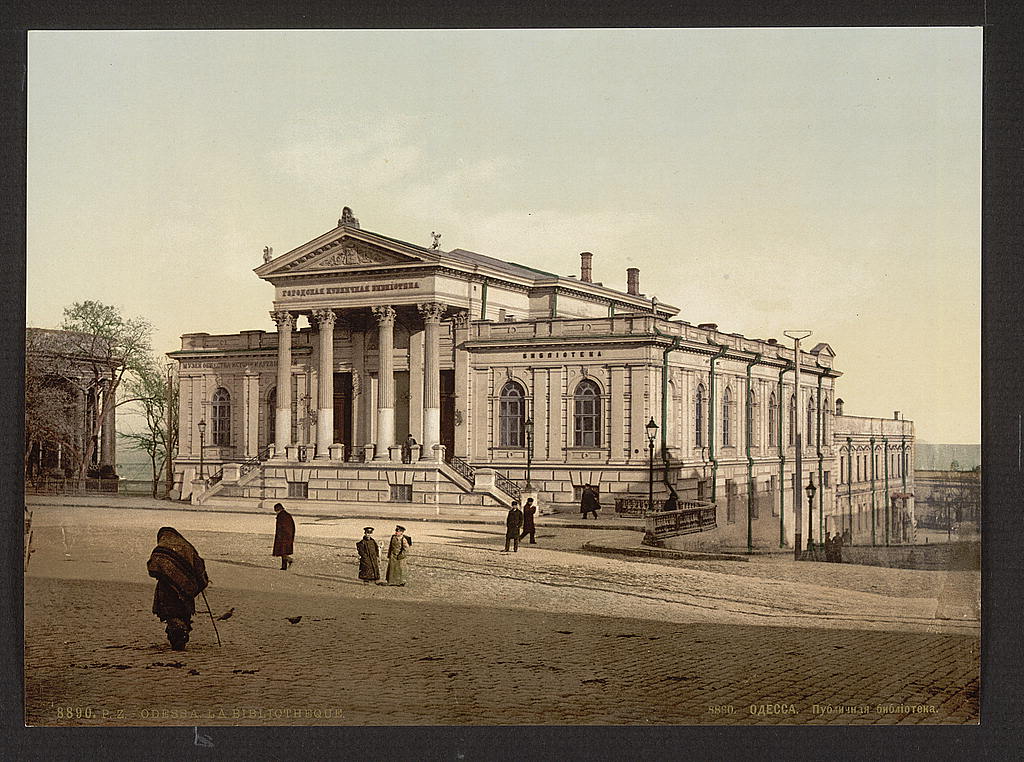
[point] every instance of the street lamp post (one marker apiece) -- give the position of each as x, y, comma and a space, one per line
202, 446
652, 431
797, 336
810, 489
529, 450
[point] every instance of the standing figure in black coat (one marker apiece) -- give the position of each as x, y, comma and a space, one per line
369, 557
513, 526
529, 510
284, 536
589, 502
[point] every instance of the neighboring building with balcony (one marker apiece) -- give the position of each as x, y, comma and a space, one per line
505, 376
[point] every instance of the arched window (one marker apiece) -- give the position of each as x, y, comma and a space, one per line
511, 416
842, 469
587, 415
698, 417
726, 417
272, 416
826, 411
792, 420
221, 417
810, 422
751, 423
773, 420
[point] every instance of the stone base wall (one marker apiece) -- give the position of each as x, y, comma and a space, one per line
351, 483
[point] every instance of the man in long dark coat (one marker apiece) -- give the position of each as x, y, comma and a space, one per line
180, 576
284, 536
513, 526
397, 551
589, 502
369, 557
529, 511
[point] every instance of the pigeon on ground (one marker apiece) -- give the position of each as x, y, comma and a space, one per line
293, 619
227, 614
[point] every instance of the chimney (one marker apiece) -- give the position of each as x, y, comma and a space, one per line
839, 407
585, 259
633, 281
896, 415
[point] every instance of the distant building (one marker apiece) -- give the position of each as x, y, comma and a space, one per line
504, 375
939, 457
66, 387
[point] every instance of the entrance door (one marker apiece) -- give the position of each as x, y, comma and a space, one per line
343, 411
448, 412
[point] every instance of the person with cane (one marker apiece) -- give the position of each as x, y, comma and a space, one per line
180, 574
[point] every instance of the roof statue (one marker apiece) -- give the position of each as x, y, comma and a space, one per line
347, 219
268, 253
437, 240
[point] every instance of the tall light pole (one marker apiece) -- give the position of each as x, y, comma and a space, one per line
171, 444
797, 336
810, 502
652, 432
529, 450
202, 445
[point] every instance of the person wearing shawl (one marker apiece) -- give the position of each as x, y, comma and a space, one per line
397, 551
284, 536
180, 576
369, 557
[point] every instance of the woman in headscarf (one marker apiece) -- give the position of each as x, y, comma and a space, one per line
180, 576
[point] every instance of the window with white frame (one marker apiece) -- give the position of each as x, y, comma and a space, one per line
221, 423
587, 415
511, 416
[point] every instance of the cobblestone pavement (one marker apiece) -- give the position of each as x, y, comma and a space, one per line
544, 636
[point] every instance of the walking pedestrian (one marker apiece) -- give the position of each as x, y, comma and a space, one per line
837, 548
529, 511
369, 557
513, 526
397, 552
829, 552
284, 536
589, 502
180, 576
407, 446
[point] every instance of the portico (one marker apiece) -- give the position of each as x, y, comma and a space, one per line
371, 329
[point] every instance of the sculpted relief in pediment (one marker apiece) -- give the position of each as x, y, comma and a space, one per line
344, 253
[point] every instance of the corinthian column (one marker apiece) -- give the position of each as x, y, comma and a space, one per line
325, 320
431, 312
385, 315
283, 415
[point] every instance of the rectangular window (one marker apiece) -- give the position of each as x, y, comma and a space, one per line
825, 478
773, 486
730, 501
401, 493
298, 489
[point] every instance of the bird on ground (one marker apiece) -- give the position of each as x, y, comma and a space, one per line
293, 619
227, 614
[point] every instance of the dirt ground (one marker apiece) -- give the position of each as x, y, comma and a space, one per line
572, 638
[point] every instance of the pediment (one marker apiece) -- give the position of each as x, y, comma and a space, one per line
345, 254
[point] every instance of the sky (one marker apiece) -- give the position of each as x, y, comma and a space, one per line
762, 179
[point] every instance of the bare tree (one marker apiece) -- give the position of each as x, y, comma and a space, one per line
155, 395
106, 348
